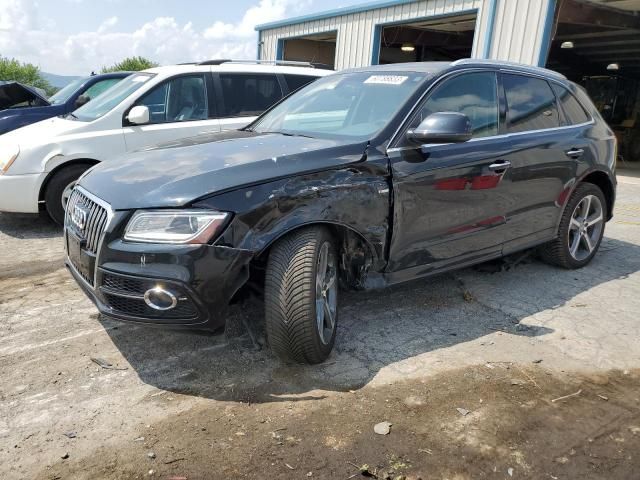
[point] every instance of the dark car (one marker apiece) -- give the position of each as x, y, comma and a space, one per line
22, 105
363, 179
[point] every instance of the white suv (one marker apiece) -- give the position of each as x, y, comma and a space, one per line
40, 163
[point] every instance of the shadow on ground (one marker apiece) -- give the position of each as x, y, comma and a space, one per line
28, 226
377, 329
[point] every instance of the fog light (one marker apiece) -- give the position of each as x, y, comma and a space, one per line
160, 299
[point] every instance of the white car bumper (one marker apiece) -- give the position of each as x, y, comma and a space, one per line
19, 193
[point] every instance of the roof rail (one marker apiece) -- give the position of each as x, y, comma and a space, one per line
289, 63
504, 64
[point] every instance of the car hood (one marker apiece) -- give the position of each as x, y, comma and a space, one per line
181, 173
14, 93
45, 132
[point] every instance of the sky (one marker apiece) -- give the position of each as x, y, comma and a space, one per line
75, 37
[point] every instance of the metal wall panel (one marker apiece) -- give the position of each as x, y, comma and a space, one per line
356, 30
519, 30
519, 33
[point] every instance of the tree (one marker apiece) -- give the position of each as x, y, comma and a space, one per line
130, 64
27, 73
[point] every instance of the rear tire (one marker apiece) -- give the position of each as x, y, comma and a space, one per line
58, 189
581, 229
301, 296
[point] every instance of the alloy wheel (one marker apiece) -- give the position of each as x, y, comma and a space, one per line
585, 227
326, 293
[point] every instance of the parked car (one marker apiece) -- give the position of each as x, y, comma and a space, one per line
363, 179
40, 163
22, 105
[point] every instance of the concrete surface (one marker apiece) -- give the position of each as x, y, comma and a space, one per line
533, 315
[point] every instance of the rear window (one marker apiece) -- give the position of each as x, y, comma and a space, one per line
573, 111
531, 104
248, 94
294, 82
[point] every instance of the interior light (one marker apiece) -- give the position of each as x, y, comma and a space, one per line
566, 45
407, 47
613, 67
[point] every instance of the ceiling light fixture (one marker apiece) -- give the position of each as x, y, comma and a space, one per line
566, 45
407, 47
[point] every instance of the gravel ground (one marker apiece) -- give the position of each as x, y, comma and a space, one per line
501, 345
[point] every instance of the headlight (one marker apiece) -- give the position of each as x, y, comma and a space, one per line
8, 154
174, 226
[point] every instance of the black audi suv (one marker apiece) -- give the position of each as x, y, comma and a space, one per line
363, 179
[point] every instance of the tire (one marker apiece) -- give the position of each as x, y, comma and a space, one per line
53, 195
293, 296
563, 251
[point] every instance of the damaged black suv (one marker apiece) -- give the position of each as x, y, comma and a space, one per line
363, 179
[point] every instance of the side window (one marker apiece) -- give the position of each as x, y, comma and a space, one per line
294, 82
246, 95
97, 88
531, 104
572, 109
180, 99
474, 94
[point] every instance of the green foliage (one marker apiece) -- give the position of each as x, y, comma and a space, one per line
130, 64
27, 73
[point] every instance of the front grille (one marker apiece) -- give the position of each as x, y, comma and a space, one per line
125, 295
136, 307
126, 285
92, 227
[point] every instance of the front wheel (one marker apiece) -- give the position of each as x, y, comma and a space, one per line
58, 190
301, 296
581, 229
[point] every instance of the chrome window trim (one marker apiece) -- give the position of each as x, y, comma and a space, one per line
110, 215
504, 135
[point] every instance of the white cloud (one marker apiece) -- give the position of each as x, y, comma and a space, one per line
30, 38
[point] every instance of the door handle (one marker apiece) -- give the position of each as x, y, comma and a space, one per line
499, 166
574, 152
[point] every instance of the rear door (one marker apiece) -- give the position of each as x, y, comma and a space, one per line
543, 151
450, 200
182, 106
244, 96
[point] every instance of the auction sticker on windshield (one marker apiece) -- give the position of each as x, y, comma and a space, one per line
386, 79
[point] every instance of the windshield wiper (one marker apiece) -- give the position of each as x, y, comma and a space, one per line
71, 114
286, 134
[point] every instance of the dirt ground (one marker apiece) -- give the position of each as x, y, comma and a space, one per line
469, 368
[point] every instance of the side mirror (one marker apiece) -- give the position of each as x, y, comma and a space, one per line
138, 115
442, 127
81, 100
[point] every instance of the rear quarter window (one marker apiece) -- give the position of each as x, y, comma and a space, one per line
531, 104
573, 111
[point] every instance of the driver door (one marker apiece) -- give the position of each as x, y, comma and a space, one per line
451, 200
180, 107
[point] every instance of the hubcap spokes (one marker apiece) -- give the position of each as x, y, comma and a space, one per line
326, 293
585, 227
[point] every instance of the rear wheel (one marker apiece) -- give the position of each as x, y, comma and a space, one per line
58, 190
301, 296
581, 229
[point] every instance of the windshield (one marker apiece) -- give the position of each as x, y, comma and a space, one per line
63, 95
351, 105
106, 101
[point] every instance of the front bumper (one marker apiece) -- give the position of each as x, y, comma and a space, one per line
203, 278
19, 193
